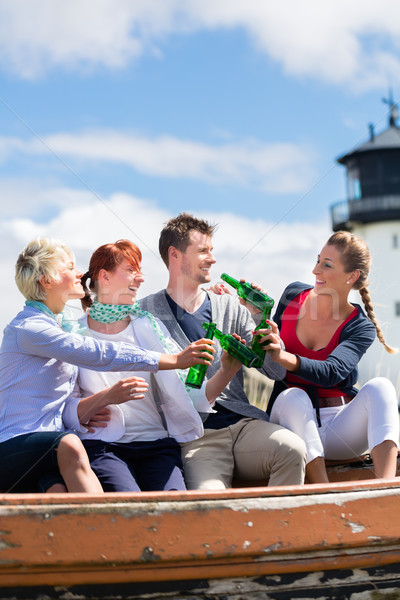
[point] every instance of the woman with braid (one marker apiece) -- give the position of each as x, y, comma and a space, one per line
324, 337
139, 449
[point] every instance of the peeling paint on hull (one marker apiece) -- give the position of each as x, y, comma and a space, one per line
360, 584
289, 542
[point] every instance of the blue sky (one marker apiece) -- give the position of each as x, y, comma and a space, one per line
117, 114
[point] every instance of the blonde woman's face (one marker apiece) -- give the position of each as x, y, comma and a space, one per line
68, 284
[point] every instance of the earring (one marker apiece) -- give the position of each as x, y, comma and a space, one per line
347, 282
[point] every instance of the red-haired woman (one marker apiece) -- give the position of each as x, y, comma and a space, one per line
142, 437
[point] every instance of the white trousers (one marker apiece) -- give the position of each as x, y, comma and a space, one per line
346, 431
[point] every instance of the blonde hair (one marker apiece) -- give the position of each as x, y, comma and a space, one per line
40, 258
355, 256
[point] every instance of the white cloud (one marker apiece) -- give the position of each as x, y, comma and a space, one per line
277, 167
284, 253
40, 199
36, 37
345, 43
9, 146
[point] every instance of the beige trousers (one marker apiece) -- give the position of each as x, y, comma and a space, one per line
248, 450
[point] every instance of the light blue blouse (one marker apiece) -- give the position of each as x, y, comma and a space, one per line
39, 368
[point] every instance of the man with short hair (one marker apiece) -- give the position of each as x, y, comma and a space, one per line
238, 440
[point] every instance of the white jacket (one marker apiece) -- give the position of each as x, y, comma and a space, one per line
179, 407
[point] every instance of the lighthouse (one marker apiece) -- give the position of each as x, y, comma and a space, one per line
372, 211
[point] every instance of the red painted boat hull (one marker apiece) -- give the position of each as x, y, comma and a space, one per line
155, 541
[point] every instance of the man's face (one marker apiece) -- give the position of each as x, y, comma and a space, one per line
197, 260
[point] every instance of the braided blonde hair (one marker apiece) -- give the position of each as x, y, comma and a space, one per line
356, 257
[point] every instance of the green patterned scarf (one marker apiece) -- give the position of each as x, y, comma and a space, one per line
110, 313
66, 319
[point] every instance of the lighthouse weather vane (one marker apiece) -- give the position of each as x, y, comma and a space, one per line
393, 109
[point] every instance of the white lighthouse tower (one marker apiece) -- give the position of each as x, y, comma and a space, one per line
372, 211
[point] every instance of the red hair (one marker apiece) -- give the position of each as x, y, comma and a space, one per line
108, 257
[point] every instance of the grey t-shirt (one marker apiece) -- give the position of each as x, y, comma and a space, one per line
230, 317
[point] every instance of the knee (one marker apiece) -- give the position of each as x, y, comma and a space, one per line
291, 407
289, 459
290, 444
293, 398
297, 447
380, 389
70, 450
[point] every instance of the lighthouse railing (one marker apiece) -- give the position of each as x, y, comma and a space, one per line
366, 210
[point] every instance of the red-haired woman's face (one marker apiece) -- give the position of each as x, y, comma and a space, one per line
121, 285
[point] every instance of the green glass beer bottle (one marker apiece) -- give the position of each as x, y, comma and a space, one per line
248, 293
196, 374
261, 301
238, 350
255, 344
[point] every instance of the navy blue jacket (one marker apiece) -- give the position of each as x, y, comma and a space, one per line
339, 370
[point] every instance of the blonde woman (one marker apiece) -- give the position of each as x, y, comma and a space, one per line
39, 362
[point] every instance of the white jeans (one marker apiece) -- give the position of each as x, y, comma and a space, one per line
346, 431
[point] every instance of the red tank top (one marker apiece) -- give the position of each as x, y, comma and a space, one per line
294, 346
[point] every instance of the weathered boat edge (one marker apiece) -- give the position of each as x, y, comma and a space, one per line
202, 544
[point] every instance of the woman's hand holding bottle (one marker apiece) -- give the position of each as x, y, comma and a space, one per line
275, 348
270, 340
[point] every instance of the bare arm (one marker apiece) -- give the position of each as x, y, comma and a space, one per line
131, 388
